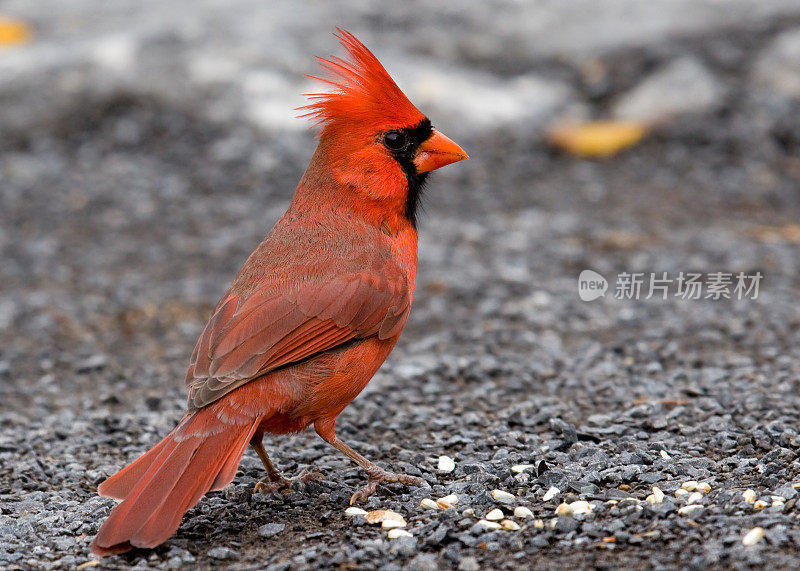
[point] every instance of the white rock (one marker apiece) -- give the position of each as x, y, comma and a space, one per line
682, 86
550, 494
522, 512
581, 507
704, 487
446, 464
397, 533
502, 497
690, 509
681, 492
749, 496
494, 515
564, 510
664, 455
488, 524
480, 98
694, 498
428, 504
387, 518
759, 505
658, 495
469, 512
520, 468
538, 524
753, 536
352, 510
509, 525
689, 486
116, 52
777, 69
447, 501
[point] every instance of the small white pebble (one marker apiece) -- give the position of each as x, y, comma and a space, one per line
694, 498
469, 512
564, 510
428, 504
550, 494
553, 523
664, 455
680, 492
355, 511
488, 524
447, 501
446, 464
759, 505
690, 509
520, 468
509, 525
753, 536
494, 515
704, 487
657, 496
581, 507
397, 533
503, 497
690, 486
384, 517
779, 499
538, 524
749, 496
522, 512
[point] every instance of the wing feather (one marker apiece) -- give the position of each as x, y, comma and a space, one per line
278, 325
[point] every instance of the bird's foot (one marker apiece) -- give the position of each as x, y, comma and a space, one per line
381, 476
281, 482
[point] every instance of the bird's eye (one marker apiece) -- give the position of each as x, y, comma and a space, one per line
394, 140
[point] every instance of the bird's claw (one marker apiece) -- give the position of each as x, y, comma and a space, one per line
383, 477
283, 483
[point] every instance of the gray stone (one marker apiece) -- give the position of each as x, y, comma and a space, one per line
222, 553
271, 529
777, 70
682, 86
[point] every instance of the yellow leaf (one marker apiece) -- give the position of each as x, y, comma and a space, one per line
600, 139
13, 32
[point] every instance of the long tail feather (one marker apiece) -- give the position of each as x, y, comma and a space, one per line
120, 484
201, 454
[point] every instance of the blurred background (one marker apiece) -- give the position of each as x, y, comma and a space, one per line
147, 147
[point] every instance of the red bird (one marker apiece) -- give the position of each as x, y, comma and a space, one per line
310, 317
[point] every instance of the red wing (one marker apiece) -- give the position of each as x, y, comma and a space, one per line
277, 326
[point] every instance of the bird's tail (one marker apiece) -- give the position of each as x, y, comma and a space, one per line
200, 455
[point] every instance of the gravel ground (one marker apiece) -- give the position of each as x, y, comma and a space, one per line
125, 211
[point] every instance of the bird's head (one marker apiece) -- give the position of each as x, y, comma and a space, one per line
377, 144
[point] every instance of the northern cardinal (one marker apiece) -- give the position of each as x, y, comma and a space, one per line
310, 317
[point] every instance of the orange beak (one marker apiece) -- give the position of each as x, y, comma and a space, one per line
437, 151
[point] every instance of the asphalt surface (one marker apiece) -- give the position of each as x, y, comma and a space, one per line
126, 208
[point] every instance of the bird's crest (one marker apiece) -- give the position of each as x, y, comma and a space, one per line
364, 93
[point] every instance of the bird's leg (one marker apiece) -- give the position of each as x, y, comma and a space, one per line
375, 474
275, 479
